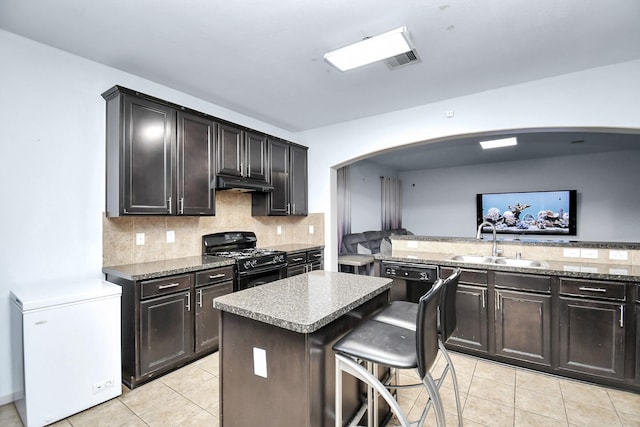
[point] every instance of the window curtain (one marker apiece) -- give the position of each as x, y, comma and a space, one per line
391, 202
344, 205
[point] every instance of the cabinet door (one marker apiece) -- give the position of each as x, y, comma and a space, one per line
472, 320
255, 161
523, 326
298, 181
147, 186
166, 331
207, 317
278, 199
195, 169
638, 339
229, 150
592, 337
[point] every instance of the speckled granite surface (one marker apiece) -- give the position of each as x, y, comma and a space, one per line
151, 270
306, 302
296, 247
528, 241
582, 269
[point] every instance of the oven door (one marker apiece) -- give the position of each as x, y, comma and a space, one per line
257, 277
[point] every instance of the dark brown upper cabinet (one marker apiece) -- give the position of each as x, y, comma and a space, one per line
241, 153
288, 176
160, 159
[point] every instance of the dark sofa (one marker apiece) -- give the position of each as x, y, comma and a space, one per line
367, 242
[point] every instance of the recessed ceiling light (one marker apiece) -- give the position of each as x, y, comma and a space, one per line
369, 50
497, 143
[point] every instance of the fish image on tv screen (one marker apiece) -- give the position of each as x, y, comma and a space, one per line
531, 212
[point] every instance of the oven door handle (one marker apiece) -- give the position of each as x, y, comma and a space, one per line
263, 269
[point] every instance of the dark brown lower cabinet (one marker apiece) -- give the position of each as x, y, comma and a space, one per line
471, 305
169, 321
637, 334
592, 337
166, 329
208, 318
523, 326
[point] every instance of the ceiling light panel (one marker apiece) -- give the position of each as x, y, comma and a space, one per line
497, 143
370, 50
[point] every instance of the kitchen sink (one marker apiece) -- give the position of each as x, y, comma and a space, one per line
475, 259
515, 262
481, 259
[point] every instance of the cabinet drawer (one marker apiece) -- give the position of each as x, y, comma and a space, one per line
593, 289
527, 282
296, 258
315, 255
471, 277
164, 286
214, 275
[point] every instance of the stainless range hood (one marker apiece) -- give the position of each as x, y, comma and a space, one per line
241, 184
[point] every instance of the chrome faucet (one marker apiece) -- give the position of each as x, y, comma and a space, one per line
494, 248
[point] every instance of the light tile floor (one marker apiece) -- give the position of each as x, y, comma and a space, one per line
492, 394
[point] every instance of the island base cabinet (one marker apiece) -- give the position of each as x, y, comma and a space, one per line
592, 337
297, 386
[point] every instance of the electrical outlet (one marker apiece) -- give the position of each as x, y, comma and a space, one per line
311, 230
619, 255
171, 236
571, 253
260, 362
589, 253
102, 385
279, 229
139, 239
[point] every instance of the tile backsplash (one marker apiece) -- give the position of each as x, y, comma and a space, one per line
233, 213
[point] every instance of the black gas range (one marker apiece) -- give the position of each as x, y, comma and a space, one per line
254, 266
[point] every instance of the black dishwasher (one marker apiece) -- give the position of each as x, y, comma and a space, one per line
410, 280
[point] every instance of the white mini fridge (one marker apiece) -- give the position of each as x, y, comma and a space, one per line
65, 348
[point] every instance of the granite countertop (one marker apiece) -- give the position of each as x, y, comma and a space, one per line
525, 240
295, 247
306, 302
584, 269
154, 269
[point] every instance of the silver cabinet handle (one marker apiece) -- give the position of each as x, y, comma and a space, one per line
169, 203
242, 168
483, 297
621, 316
294, 209
181, 206
200, 298
590, 289
188, 301
170, 285
298, 259
217, 276
288, 208
318, 255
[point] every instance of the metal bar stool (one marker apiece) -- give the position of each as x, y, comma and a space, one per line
403, 314
377, 343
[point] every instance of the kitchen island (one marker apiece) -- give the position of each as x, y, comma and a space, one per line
276, 362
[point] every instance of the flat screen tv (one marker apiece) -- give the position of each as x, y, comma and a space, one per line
530, 212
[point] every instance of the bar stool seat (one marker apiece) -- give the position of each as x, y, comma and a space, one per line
377, 343
403, 314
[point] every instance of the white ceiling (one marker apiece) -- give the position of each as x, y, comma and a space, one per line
264, 58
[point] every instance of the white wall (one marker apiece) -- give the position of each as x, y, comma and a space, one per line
441, 202
365, 189
600, 97
52, 173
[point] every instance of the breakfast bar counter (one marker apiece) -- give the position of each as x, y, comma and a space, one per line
276, 362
